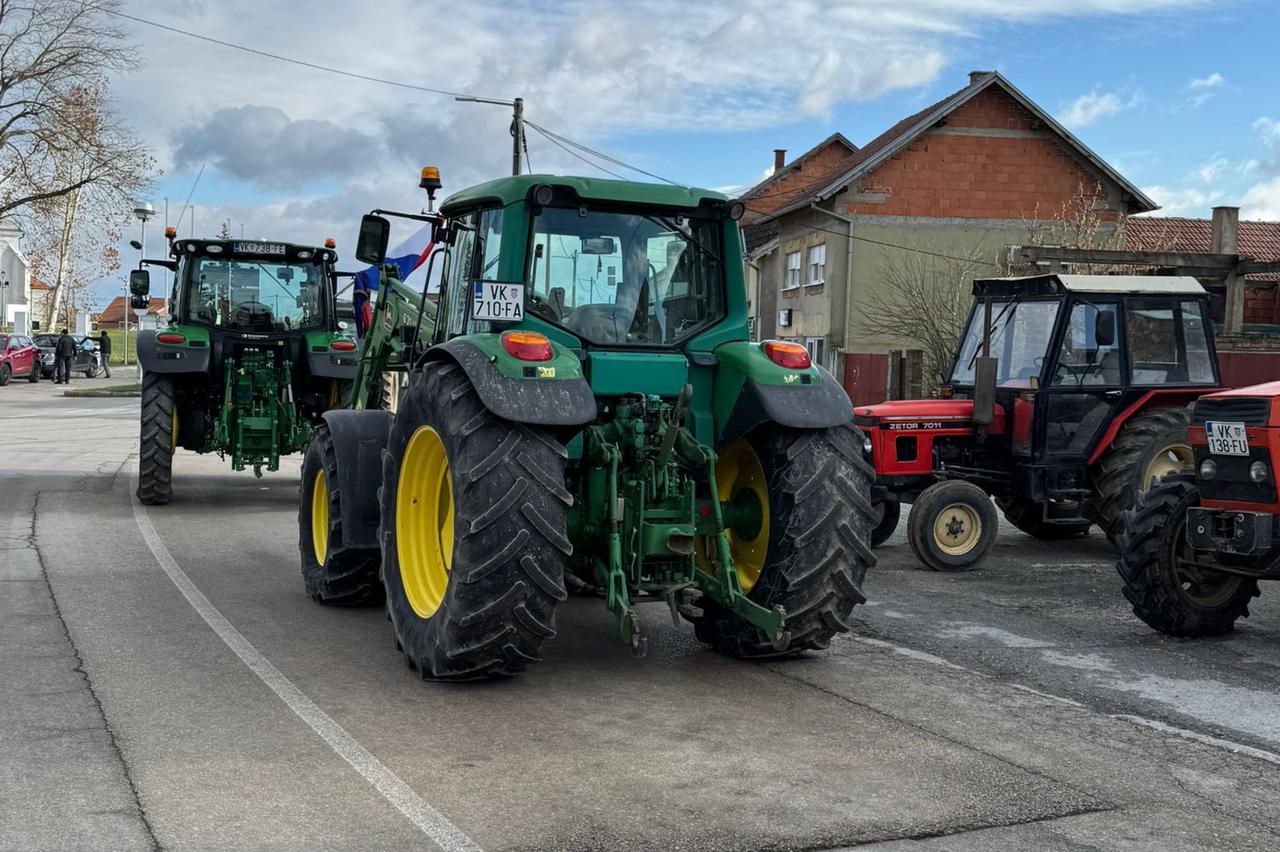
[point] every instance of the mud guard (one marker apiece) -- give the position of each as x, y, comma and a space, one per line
359, 437
815, 406
542, 402
170, 359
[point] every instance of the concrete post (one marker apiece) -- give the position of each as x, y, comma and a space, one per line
1225, 240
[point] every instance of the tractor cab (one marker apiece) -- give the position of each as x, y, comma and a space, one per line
1051, 372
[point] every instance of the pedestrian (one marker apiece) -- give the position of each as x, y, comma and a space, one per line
104, 353
64, 352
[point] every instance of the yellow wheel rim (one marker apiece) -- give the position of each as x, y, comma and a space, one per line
320, 516
738, 470
173, 432
1174, 458
957, 529
424, 521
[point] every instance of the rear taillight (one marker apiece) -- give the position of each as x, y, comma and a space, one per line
170, 337
343, 345
793, 356
527, 345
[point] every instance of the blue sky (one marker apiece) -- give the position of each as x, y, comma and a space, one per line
1179, 95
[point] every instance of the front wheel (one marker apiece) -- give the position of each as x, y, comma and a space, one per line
809, 551
6, 373
952, 525
332, 573
34, 376
91, 372
1172, 587
474, 532
158, 437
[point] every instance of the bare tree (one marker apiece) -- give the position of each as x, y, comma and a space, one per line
923, 302
73, 235
51, 52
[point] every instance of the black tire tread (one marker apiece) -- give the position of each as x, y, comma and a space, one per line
920, 523
155, 447
1115, 476
1149, 583
511, 544
819, 549
350, 575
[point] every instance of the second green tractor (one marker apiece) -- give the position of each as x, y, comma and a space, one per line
584, 411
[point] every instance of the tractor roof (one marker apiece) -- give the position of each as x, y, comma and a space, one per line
506, 190
281, 249
1054, 284
1266, 389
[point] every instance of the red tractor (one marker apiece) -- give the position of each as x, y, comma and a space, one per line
1195, 546
1068, 396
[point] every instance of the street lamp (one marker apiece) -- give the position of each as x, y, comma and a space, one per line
143, 211
4, 301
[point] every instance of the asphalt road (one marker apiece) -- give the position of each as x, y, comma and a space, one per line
167, 684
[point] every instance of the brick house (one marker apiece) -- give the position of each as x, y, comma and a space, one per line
118, 310
981, 169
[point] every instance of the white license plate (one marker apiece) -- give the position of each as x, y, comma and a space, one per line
1227, 439
258, 248
493, 300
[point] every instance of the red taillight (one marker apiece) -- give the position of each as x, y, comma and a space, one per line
527, 345
343, 345
793, 356
170, 337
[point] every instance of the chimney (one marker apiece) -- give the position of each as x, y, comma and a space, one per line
975, 76
1226, 221
779, 159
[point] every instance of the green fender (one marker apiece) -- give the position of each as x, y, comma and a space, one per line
543, 393
750, 390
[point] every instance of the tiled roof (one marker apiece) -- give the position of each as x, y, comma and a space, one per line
115, 311
37, 284
1259, 240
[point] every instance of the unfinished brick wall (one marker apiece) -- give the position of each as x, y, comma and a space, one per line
980, 176
790, 186
1261, 304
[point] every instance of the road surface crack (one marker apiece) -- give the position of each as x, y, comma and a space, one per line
88, 681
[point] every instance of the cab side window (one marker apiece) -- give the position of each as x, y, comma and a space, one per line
457, 280
1090, 353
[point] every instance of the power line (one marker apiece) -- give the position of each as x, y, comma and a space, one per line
572, 152
600, 154
327, 68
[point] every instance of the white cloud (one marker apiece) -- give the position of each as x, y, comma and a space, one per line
1202, 89
1213, 170
1088, 108
1192, 201
1262, 201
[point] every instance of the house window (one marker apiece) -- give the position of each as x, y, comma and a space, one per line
818, 263
792, 280
815, 347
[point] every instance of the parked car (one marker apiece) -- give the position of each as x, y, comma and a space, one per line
19, 357
85, 360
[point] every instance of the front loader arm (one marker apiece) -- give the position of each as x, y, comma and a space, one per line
385, 345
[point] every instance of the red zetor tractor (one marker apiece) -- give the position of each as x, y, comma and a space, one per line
1195, 546
1068, 396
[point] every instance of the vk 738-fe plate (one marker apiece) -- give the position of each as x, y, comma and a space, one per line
1227, 439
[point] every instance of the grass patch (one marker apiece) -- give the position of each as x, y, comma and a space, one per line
109, 391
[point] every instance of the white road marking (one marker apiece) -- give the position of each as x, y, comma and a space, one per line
1219, 742
443, 833
903, 651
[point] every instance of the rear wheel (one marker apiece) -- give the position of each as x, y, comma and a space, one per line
1029, 517
158, 438
1151, 446
6, 373
474, 539
810, 552
885, 515
91, 372
1172, 587
34, 375
952, 525
331, 572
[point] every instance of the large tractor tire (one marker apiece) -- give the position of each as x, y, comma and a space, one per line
1168, 583
331, 572
158, 437
1029, 517
474, 539
952, 525
1149, 447
812, 550
885, 515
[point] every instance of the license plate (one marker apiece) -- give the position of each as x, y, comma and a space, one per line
258, 248
1227, 439
498, 302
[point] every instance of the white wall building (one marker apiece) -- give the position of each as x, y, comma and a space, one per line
15, 279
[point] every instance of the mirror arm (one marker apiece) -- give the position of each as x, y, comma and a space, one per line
417, 217
171, 265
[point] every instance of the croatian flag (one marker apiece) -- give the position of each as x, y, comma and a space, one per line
407, 257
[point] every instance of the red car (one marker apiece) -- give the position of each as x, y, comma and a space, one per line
19, 356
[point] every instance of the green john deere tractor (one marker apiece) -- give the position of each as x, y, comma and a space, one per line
251, 356
585, 410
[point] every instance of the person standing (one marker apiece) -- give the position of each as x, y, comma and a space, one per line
104, 353
64, 352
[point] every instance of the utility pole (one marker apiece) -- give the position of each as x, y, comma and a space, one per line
517, 125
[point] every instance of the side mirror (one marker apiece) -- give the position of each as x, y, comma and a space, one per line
140, 283
984, 390
371, 247
1104, 329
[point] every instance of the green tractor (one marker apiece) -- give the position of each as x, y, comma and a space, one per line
586, 411
252, 354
